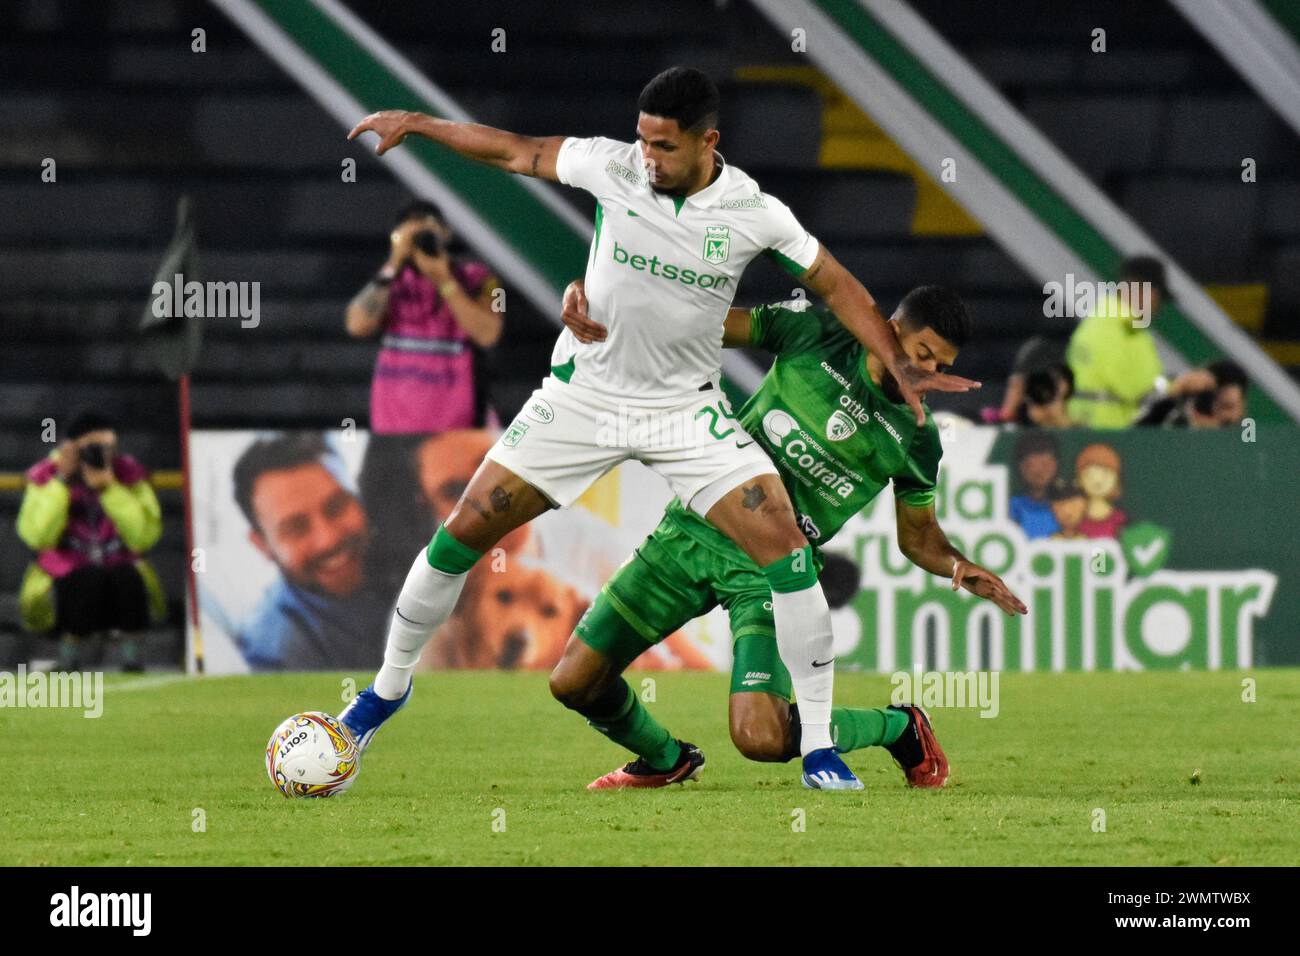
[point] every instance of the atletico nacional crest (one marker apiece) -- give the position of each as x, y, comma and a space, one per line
717, 243
839, 426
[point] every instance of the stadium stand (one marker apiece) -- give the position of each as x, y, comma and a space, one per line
1147, 122
135, 120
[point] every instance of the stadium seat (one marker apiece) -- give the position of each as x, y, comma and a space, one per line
852, 205
1100, 133
1207, 224
1198, 138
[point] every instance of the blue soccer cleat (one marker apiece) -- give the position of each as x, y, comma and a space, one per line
368, 711
824, 770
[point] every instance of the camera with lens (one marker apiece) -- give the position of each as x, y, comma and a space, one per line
96, 455
428, 241
1203, 402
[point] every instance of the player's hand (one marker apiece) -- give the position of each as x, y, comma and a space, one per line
914, 381
575, 315
389, 125
984, 583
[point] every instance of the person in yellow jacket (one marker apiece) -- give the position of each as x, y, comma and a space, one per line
90, 513
1113, 353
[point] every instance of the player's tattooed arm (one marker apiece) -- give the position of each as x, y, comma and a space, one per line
853, 306
525, 155
922, 541
858, 312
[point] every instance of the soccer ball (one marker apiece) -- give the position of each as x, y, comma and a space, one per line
312, 755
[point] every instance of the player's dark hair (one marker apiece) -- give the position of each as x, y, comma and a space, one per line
272, 454
1228, 372
418, 209
1035, 443
684, 94
933, 306
88, 421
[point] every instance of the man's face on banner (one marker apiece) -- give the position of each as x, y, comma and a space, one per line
312, 527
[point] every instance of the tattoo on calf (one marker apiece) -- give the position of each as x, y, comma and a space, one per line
537, 158
500, 499
478, 507
754, 496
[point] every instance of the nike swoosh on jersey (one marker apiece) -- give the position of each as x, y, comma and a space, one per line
823, 663
745, 444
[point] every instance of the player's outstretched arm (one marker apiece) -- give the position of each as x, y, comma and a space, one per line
857, 310
923, 543
526, 155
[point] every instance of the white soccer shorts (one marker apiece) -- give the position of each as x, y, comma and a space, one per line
567, 436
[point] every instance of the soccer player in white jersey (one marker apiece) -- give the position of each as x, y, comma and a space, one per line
675, 227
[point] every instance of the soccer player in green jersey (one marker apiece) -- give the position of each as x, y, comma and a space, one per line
832, 419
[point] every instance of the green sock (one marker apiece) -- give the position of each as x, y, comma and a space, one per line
632, 727
853, 729
448, 555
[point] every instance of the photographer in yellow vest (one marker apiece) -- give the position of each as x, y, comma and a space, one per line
1113, 353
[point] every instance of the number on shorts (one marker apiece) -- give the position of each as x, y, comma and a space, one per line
713, 411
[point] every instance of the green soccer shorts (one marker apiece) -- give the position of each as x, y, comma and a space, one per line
675, 577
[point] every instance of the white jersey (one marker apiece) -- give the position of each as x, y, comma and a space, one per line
663, 271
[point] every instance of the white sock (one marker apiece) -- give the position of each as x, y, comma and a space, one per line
427, 599
803, 637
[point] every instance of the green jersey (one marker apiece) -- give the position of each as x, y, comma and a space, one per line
834, 436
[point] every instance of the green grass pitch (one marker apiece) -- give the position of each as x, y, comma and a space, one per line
124, 789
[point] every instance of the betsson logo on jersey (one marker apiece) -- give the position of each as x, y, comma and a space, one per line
665, 270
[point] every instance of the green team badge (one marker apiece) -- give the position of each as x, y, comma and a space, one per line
717, 243
839, 426
514, 434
